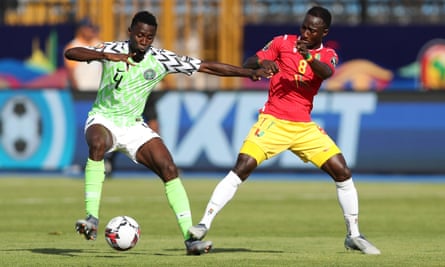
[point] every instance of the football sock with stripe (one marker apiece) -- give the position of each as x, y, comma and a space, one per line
179, 202
348, 200
94, 178
223, 193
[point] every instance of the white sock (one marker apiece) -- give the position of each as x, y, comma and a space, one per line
348, 200
223, 193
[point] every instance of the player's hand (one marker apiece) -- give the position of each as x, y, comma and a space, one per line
269, 65
121, 57
257, 74
302, 48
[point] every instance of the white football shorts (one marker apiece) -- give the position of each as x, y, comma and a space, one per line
126, 139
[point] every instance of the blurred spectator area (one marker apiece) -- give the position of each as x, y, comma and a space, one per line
33, 12
212, 29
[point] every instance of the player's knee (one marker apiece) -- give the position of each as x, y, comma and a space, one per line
169, 171
346, 174
342, 174
337, 169
97, 150
97, 143
244, 166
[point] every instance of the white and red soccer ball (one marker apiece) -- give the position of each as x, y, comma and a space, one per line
122, 233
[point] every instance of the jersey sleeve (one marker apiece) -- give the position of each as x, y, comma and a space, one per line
112, 47
270, 50
329, 57
174, 63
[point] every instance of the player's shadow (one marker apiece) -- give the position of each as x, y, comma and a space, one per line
235, 250
223, 250
96, 253
57, 251
76, 252
52, 251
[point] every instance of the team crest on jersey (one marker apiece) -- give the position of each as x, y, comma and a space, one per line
149, 74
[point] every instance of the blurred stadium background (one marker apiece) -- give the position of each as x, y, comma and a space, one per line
384, 106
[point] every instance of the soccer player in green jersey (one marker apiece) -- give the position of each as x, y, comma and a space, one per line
131, 69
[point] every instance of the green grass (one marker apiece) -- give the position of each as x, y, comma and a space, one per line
269, 223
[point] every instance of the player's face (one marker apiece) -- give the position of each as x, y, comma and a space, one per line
141, 37
312, 31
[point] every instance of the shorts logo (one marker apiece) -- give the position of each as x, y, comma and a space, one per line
149, 74
259, 133
90, 121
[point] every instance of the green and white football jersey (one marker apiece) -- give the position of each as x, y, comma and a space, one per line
124, 89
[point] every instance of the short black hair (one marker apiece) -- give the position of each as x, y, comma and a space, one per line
323, 13
144, 17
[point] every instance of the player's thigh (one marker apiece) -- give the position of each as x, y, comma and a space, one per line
134, 138
267, 138
98, 129
313, 144
155, 156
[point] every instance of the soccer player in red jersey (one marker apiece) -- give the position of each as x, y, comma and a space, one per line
300, 63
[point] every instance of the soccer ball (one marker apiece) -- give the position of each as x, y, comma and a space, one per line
122, 233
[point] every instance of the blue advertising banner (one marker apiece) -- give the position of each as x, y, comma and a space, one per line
36, 129
377, 132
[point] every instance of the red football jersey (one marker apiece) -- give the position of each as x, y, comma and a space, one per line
292, 89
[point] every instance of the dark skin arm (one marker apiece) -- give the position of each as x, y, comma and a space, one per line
254, 63
214, 68
85, 54
221, 69
320, 69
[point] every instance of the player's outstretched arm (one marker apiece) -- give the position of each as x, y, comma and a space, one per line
85, 54
254, 62
222, 69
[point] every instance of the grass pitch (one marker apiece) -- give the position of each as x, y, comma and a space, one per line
269, 223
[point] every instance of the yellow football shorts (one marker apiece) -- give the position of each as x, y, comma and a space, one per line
270, 136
